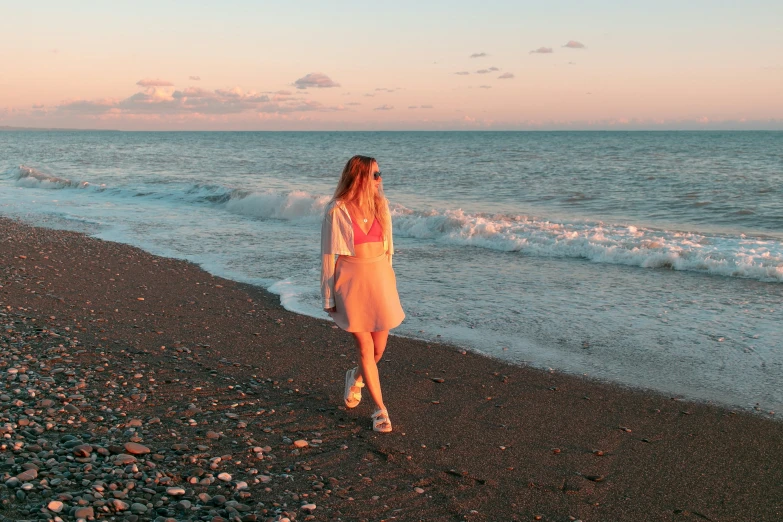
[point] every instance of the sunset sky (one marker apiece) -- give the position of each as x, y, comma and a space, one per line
346, 65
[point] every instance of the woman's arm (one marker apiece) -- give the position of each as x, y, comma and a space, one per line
327, 260
327, 281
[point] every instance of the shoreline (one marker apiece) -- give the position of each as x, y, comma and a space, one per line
483, 439
763, 412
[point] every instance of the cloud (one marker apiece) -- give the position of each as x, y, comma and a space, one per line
383, 89
149, 82
542, 50
87, 106
284, 93
413, 106
384, 107
192, 102
478, 55
483, 71
485, 86
506, 76
195, 78
369, 95
493, 69
462, 73
41, 106
573, 44
302, 106
426, 107
317, 80
353, 103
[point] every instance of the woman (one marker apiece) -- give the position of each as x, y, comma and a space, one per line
359, 289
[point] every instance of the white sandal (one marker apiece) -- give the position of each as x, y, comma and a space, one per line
352, 398
381, 422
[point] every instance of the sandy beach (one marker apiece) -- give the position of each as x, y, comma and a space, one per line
143, 388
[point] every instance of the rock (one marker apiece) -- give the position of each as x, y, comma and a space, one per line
122, 459
138, 508
82, 450
84, 512
135, 448
309, 507
212, 435
175, 492
418, 490
28, 475
225, 477
301, 443
118, 505
55, 506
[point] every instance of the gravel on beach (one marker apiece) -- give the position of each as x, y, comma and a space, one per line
136, 388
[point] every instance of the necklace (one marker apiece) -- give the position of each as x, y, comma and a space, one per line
358, 212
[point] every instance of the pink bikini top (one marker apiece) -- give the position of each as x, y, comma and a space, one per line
374, 235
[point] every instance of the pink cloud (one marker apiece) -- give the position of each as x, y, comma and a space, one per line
506, 76
572, 44
384, 107
542, 50
88, 106
194, 102
478, 55
317, 80
194, 78
148, 82
462, 73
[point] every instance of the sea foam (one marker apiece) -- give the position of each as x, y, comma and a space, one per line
758, 258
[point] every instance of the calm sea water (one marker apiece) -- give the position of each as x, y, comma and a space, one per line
649, 259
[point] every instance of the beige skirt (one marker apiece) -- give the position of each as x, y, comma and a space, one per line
365, 295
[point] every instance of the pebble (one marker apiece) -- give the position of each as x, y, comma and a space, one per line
309, 507
301, 443
28, 475
225, 477
84, 512
123, 459
175, 491
136, 449
55, 506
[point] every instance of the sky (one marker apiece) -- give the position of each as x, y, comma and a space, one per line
403, 65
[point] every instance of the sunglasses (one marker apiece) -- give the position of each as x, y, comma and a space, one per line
377, 175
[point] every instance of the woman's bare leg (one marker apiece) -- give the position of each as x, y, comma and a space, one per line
379, 340
367, 366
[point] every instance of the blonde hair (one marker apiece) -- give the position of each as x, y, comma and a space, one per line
356, 186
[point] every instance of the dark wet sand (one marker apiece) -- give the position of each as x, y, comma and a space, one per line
490, 442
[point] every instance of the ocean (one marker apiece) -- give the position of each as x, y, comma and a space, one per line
649, 259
